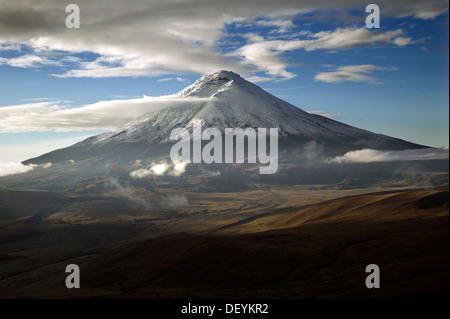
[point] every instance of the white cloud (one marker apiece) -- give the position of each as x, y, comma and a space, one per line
153, 38
179, 169
103, 115
348, 38
353, 73
40, 99
27, 61
267, 55
174, 201
126, 190
13, 168
420, 9
159, 169
402, 41
258, 79
325, 114
369, 155
281, 26
123, 97
10, 47
179, 79
214, 174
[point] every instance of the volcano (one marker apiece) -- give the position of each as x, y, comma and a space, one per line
226, 101
220, 100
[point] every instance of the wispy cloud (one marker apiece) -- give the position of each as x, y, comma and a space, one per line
370, 155
42, 99
27, 61
104, 115
179, 79
266, 55
124, 97
280, 25
174, 201
127, 191
10, 46
329, 115
259, 79
154, 38
353, 73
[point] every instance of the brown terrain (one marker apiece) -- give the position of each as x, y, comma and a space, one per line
309, 246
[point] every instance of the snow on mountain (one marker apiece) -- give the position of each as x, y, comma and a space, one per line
229, 101
224, 100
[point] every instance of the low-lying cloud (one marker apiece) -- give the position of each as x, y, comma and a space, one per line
369, 155
173, 201
126, 191
13, 168
159, 169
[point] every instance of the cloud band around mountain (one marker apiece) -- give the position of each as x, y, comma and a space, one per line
103, 115
13, 168
369, 155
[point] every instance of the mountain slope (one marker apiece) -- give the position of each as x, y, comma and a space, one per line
225, 100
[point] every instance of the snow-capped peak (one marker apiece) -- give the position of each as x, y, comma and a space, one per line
225, 100
208, 85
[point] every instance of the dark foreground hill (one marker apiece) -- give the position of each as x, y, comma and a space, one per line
316, 251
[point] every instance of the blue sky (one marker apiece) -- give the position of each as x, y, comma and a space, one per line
59, 85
